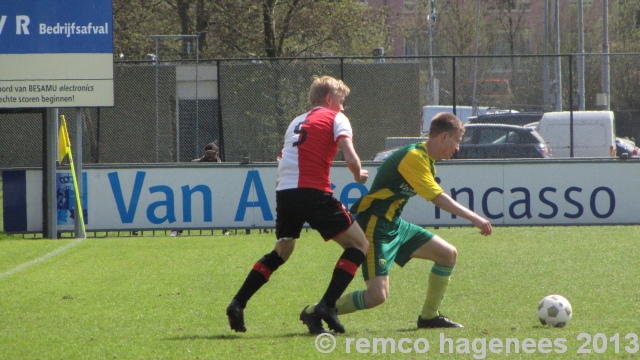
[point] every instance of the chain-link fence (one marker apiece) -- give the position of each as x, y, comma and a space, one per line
167, 111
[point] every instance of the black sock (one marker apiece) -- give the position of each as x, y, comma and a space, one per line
258, 276
343, 273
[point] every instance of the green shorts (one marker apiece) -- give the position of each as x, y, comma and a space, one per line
389, 242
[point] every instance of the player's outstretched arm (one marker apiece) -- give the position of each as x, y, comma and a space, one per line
353, 161
446, 203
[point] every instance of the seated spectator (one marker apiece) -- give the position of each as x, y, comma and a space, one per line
210, 155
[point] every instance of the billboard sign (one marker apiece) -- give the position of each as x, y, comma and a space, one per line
239, 196
56, 53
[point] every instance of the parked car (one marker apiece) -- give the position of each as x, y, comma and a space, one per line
498, 141
383, 155
511, 118
495, 141
626, 146
462, 112
593, 133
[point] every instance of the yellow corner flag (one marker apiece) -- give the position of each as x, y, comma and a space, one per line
64, 145
64, 149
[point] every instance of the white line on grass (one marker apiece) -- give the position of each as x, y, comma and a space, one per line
41, 259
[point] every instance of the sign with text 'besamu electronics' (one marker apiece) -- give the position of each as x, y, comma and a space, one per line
56, 53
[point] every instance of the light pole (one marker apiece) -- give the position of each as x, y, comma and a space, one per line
580, 57
605, 58
558, 60
474, 104
431, 20
545, 76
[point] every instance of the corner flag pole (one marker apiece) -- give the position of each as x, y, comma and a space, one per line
65, 150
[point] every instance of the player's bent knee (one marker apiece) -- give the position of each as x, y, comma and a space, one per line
285, 248
284, 255
363, 246
446, 255
376, 298
454, 255
449, 256
358, 242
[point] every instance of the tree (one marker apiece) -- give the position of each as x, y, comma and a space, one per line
457, 28
624, 37
256, 28
134, 21
510, 16
189, 25
624, 27
293, 28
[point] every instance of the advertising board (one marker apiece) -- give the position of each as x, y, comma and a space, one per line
56, 53
243, 196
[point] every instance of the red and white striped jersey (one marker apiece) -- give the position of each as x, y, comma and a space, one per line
310, 144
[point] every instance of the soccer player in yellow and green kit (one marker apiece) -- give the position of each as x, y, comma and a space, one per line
407, 172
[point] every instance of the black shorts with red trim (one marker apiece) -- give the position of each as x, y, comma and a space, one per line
319, 209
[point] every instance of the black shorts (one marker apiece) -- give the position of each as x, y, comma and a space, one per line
320, 209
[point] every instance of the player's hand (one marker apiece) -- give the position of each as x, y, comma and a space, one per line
364, 175
484, 225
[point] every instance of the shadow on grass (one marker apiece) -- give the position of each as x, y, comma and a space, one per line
235, 337
428, 331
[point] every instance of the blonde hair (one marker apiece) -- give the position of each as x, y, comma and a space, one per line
323, 85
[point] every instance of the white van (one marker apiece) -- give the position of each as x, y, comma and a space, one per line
462, 112
593, 133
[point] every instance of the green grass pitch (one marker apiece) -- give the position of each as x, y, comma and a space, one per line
165, 298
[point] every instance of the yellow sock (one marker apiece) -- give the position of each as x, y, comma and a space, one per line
351, 302
347, 303
438, 283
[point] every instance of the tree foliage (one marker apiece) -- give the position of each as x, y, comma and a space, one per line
457, 28
293, 28
134, 21
624, 27
260, 28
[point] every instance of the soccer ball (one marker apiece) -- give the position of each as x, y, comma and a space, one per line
554, 310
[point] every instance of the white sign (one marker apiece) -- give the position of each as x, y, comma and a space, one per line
237, 196
61, 58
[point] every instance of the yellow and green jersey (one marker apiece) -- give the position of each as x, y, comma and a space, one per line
407, 172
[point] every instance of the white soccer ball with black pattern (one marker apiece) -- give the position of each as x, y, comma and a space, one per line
554, 310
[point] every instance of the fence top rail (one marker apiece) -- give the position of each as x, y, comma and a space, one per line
341, 58
173, 36
633, 160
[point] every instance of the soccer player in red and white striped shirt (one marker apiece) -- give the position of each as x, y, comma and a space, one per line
303, 194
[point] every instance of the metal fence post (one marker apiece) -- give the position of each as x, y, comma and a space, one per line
220, 127
77, 157
157, 106
50, 148
453, 79
571, 105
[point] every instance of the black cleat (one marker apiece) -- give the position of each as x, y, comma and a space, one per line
330, 316
313, 322
236, 316
437, 322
